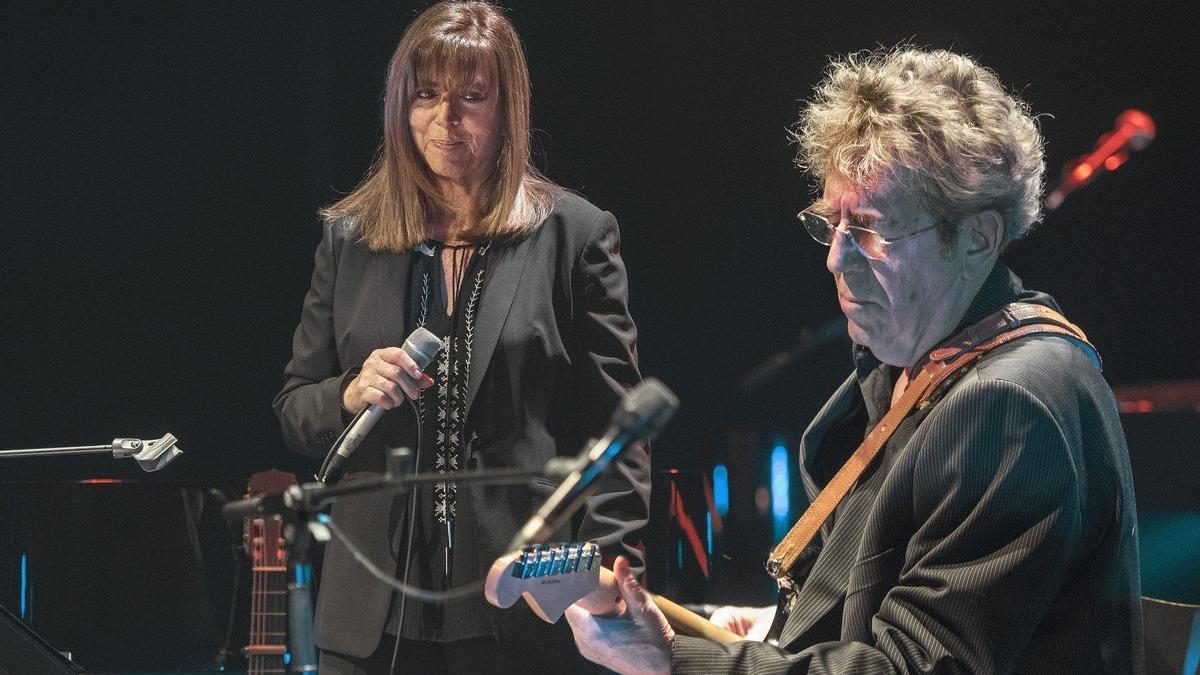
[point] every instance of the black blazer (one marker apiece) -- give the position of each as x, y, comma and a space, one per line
995, 533
554, 349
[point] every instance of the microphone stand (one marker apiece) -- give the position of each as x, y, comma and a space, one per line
299, 534
150, 455
300, 505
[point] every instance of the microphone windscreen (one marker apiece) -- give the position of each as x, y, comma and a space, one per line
646, 409
422, 346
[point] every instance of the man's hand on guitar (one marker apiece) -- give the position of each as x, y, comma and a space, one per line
636, 640
751, 623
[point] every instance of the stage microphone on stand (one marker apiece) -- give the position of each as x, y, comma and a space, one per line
1134, 130
422, 346
643, 412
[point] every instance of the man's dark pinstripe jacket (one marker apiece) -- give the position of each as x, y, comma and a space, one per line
994, 534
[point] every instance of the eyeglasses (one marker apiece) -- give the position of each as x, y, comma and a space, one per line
868, 242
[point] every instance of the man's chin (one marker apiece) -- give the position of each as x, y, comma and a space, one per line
857, 334
872, 341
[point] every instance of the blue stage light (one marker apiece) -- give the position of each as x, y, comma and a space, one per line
780, 490
721, 489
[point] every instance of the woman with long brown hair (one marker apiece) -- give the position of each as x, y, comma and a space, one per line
454, 230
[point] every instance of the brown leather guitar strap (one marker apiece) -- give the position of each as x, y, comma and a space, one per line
1005, 325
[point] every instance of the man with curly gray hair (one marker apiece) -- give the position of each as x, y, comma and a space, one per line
987, 523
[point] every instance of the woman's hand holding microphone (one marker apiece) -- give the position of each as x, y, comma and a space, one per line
387, 376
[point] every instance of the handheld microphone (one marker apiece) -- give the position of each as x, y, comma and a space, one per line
1133, 131
422, 346
643, 412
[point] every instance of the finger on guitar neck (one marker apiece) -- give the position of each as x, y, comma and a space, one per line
683, 620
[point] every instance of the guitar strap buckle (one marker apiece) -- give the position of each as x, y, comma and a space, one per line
789, 590
783, 609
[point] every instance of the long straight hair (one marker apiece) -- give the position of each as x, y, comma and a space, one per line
394, 206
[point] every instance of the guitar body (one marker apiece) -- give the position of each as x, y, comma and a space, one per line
268, 580
552, 578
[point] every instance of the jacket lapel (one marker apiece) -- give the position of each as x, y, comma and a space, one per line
507, 267
826, 585
388, 280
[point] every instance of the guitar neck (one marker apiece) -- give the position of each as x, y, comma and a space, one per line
683, 620
268, 619
268, 580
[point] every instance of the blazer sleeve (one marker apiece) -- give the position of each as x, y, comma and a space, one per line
996, 503
606, 365
309, 406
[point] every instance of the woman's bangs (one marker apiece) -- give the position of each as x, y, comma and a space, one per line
454, 61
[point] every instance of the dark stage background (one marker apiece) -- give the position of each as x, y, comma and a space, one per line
162, 165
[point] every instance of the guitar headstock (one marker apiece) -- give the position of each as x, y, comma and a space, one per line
262, 537
551, 577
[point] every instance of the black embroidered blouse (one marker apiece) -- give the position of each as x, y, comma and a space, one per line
442, 553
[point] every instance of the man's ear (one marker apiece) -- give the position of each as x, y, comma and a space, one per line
984, 232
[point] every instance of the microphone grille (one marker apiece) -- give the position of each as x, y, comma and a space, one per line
422, 346
646, 409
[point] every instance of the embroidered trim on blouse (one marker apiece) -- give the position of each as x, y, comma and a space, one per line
451, 418
422, 318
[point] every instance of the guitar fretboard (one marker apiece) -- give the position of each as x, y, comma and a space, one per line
268, 603
267, 649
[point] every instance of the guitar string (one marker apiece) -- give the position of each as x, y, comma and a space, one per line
268, 606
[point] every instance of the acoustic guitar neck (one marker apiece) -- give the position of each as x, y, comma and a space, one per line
268, 582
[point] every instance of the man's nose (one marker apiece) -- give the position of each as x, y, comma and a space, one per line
842, 253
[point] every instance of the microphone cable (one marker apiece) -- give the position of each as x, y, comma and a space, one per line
354, 420
408, 542
423, 594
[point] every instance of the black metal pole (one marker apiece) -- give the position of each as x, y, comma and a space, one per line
53, 452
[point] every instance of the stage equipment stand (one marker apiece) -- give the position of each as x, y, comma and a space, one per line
300, 507
150, 455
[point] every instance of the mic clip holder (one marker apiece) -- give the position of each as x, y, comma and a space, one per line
150, 455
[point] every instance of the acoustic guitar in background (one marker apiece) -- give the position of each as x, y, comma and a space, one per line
263, 537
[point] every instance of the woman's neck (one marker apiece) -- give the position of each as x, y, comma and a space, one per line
458, 223
452, 230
